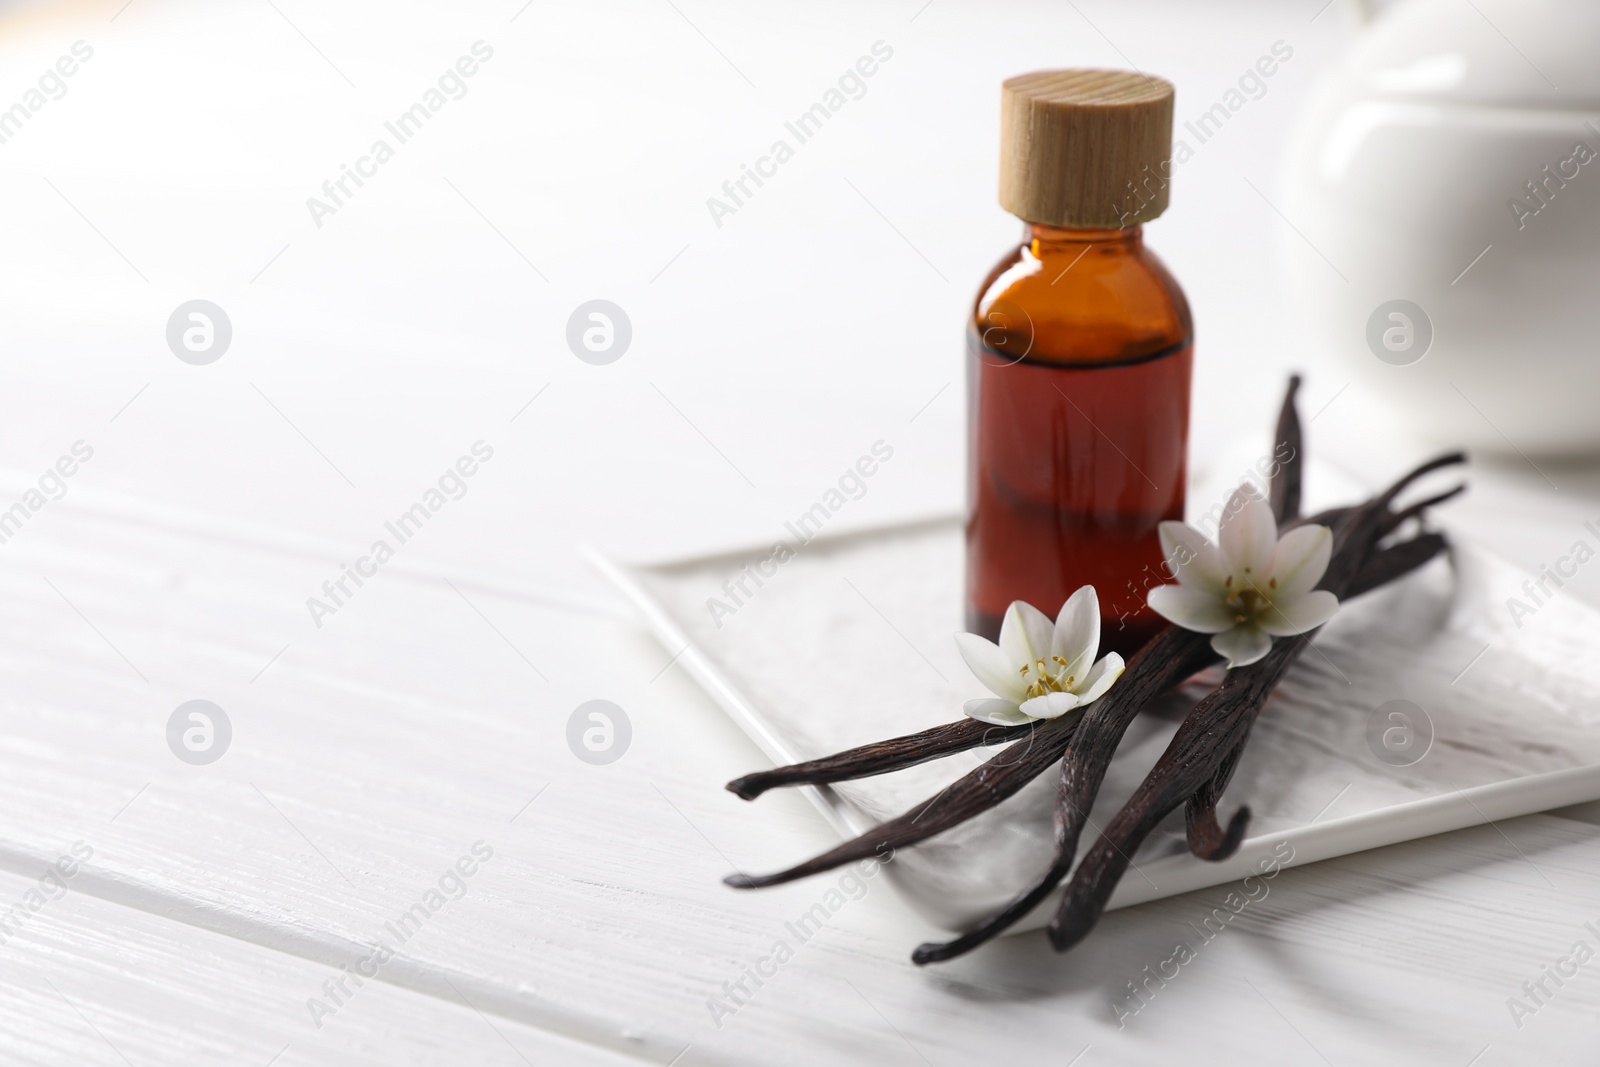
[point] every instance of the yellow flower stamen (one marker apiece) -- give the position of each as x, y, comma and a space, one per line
1250, 600
1046, 682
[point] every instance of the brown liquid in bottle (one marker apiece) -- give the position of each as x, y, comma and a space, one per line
1080, 351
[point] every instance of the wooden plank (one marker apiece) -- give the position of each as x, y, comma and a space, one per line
86, 981
370, 754
358, 778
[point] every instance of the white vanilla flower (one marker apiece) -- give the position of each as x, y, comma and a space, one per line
1249, 587
1040, 671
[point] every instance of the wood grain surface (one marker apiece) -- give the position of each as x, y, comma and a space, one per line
430, 711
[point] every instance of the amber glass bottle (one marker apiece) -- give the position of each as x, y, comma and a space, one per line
1080, 351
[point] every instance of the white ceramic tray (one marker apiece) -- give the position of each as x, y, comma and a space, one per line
864, 622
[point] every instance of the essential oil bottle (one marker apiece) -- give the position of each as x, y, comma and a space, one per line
1081, 348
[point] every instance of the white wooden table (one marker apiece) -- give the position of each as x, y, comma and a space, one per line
210, 908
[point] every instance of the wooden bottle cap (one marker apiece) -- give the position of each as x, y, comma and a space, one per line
1071, 141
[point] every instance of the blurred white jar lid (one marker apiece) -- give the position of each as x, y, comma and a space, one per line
1444, 186
1456, 52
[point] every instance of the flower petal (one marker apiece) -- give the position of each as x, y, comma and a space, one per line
1300, 559
1190, 558
997, 712
1051, 705
1077, 634
1242, 645
1100, 678
1248, 535
1296, 615
1024, 634
991, 667
1204, 613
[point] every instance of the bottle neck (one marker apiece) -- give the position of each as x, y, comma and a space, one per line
1045, 240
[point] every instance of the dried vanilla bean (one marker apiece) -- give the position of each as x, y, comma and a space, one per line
1099, 733
1087, 758
1284, 486
881, 757
978, 790
897, 753
1167, 659
1206, 837
1218, 725
1217, 730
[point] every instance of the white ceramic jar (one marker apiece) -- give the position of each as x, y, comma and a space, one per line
1452, 162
